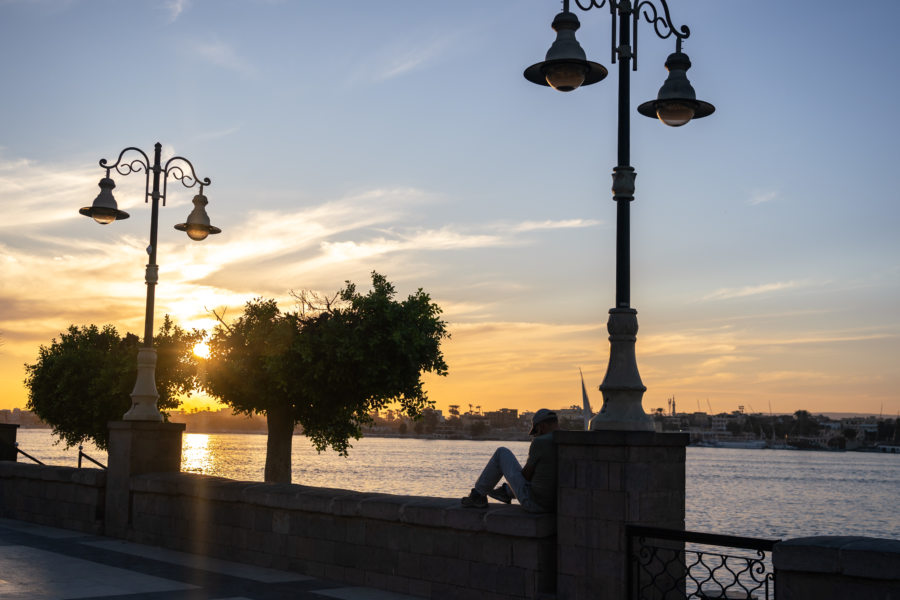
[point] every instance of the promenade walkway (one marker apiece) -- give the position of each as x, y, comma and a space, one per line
44, 563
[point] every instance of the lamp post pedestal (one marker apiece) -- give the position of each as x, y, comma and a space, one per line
144, 396
622, 387
136, 448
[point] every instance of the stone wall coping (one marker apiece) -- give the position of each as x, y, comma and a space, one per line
91, 477
416, 510
852, 556
620, 438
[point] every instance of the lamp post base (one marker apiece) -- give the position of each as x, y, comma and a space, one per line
144, 396
622, 387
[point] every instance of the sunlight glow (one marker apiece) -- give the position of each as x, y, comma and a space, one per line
201, 349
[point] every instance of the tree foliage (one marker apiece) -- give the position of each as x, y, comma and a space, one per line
327, 365
84, 380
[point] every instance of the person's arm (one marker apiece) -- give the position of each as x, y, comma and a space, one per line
528, 471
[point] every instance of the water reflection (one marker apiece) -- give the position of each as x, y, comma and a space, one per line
195, 453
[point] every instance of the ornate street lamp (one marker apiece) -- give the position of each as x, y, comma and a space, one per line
104, 210
567, 68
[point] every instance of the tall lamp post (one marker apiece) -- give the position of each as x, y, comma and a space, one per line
104, 210
566, 68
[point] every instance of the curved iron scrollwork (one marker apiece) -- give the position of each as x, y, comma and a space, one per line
662, 23
184, 174
593, 4
178, 173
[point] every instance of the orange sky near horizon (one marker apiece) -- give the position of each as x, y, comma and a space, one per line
764, 253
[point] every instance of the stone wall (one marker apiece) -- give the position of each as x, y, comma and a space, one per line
814, 568
429, 547
63, 497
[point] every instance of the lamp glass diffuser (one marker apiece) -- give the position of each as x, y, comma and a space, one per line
102, 215
675, 113
565, 76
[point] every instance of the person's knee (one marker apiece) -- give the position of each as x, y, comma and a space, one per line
502, 451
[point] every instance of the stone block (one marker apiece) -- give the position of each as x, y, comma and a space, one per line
497, 550
608, 506
606, 535
572, 531
408, 565
573, 560
381, 506
465, 519
420, 588
281, 521
483, 577
388, 535
575, 503
872, 558
385, 581
567, 475
527, 555
351, 555
426, 511
422, 542
446, 543
516, 521
515, 581
819, 554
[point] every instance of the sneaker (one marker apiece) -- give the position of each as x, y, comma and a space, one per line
503, 493
474, 500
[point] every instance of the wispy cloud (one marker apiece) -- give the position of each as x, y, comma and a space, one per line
222, 55
756, 290
217, 134
174, 8
402, 57
762, 197
34, 194
564, 224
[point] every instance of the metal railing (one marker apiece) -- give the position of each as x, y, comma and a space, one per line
82, 454
26, 455
670, 564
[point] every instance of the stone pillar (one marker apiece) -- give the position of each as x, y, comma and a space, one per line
607, 479
8, 441
135, 448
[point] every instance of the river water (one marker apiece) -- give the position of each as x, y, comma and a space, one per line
760, 493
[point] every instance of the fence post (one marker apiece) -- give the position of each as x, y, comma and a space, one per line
8, 441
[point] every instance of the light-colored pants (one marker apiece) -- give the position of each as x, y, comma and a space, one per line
504, 464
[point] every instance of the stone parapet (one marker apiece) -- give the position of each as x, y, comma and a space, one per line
64, 497
429, 547
837, 567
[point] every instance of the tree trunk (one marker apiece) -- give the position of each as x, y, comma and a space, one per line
278, 445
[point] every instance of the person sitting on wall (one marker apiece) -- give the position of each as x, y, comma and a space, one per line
533, 485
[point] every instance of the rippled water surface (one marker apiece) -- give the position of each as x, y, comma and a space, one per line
763, 493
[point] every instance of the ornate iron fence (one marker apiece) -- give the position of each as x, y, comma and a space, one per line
670, 564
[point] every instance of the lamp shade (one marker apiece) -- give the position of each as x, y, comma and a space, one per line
565, 67
104, 210
676, 103
197, 226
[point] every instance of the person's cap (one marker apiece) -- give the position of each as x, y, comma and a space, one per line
539, 417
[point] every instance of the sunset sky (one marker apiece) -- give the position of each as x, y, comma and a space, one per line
346, 137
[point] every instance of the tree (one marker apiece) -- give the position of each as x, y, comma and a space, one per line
84, 380
805, 424
327, 366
